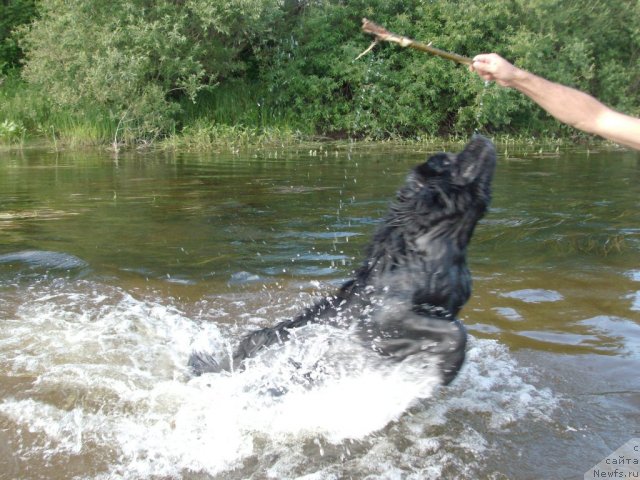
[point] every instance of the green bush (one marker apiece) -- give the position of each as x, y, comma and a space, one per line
13, 14
11, 132
139, 70
134, 59
392, 91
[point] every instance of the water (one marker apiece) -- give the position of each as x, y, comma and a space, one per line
151, 256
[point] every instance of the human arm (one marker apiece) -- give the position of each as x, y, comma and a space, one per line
566, 104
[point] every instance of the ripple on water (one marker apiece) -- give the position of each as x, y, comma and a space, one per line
561, 338
634, 275
635, 300
244, 278
634, 296
508, 313
621, 331
42, 261
534, 295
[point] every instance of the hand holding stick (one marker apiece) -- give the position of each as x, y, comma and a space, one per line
381, 34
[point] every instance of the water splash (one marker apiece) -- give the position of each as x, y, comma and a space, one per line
108, 389
480, 107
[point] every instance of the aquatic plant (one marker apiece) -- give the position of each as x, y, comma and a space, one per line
210, 136
12, 132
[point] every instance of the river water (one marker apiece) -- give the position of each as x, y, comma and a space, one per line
112, 270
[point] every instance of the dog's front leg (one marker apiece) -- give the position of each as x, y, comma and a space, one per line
415, 332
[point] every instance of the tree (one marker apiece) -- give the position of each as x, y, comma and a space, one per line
134, 58
13, 14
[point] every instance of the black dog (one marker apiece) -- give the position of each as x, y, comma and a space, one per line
405, 297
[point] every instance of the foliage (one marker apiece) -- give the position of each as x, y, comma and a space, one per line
134, 58
13, 13
206, 136
393, 91
135, 70
11, 132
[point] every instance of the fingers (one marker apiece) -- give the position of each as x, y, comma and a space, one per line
483, 57
482, 73
481, 64
484, 62
491, 66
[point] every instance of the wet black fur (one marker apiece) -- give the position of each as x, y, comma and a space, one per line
405, 297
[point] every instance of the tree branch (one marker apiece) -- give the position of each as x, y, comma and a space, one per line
381, 34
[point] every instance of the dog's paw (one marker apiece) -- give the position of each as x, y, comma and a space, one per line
201, 362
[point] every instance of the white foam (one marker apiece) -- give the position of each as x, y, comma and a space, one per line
635, 301
122, 361
633, 275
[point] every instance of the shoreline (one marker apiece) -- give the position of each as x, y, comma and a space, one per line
236, 139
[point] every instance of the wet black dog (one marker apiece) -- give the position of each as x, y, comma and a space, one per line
405, 297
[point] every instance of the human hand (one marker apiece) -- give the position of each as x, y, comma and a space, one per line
491, 66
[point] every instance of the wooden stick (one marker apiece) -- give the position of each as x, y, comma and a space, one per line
382, 34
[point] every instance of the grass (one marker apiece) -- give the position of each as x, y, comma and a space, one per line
222, 118
230, 117
236, 103
91, 128
233, 116
24, 106
203, 135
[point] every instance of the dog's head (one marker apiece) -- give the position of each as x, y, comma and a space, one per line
447, 195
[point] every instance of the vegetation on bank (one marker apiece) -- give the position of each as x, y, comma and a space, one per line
197, 73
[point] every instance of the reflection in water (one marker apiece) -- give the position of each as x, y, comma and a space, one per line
111, 274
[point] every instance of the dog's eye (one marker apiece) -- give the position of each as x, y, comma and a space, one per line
437, 165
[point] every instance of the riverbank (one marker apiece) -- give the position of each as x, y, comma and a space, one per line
228, 118
179, 75
237, 139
